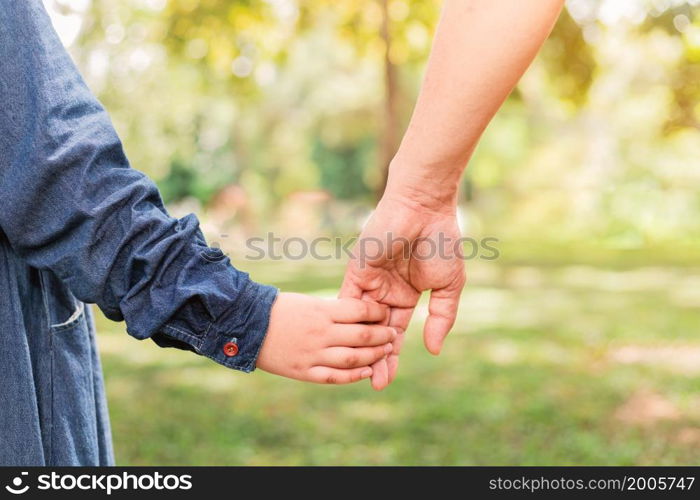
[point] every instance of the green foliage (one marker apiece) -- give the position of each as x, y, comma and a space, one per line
570, 60
599, 139
344, 168
184, 180
178, 183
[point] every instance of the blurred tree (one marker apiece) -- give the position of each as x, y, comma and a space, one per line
341, 173
683, 20
391, 134
285, 95
569, 60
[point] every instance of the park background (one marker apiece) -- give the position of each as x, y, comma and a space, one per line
580, 344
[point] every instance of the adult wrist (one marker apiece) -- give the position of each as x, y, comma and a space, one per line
433, 187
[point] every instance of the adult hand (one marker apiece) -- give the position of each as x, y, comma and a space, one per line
480, 51
409, 245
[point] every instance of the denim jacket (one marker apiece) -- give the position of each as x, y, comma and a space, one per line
79, 226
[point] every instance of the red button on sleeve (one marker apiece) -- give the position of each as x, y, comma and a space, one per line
230, 349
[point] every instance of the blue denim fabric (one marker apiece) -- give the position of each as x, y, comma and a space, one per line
77, 226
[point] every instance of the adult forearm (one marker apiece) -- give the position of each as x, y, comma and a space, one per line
480, 51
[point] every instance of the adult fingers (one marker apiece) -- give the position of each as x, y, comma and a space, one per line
442, 314
384, 370
358, 311
327, 375
349, 288
352, 357
392, 363
356, 335
380, 375
397, 342
393, 358
400, 317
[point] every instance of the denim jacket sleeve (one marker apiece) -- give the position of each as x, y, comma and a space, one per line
70, 202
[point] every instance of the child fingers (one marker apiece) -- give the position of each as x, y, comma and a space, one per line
366, 296
349, 357
361, 335
327, 375
358, 311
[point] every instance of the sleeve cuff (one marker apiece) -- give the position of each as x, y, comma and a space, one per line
235, 338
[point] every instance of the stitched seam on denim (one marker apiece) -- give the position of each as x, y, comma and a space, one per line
53, 397
230, 363
193, 339
45, 298
76, 317
204, 337
236, 299
232, 333
44, 295
253, 361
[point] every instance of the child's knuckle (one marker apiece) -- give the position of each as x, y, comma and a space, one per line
351, 360
364, 308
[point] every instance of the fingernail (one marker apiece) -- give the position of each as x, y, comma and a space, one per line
396, 334
366, 373
388, 348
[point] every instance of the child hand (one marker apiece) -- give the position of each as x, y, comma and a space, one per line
324, 341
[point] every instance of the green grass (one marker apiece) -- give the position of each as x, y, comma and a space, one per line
546, 365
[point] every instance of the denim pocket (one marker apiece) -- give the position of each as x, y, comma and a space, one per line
75, 318
73, 407
73, 430
62, 308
